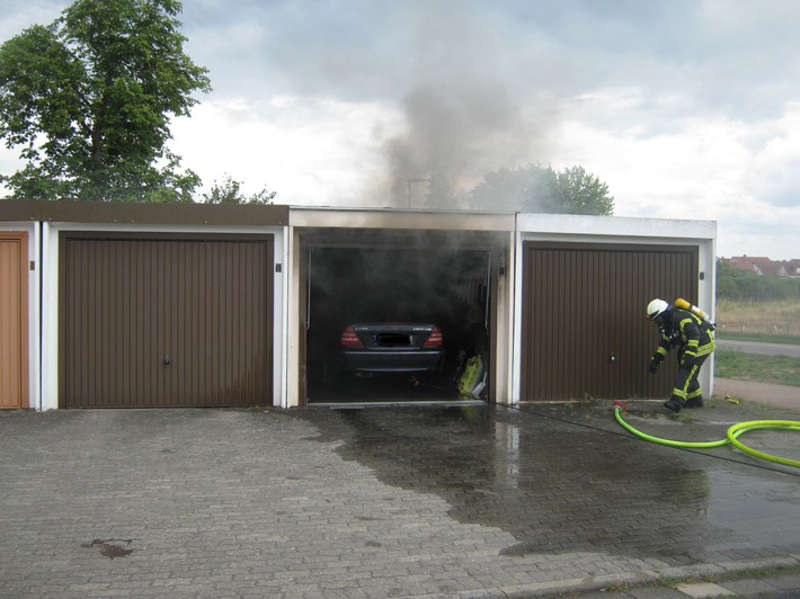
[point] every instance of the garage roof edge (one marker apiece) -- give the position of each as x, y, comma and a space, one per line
575, 224
373, 218
142, 213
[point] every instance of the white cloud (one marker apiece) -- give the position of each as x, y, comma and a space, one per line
9, 163
744, 175
310, 150
774, 176
21, 14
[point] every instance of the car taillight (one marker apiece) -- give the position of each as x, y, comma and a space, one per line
350, 339
435, 338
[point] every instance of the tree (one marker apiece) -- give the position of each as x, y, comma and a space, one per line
580, 192
88, 99
736, 284
535, 188
230, 193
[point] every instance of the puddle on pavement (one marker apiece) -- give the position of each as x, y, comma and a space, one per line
557, 487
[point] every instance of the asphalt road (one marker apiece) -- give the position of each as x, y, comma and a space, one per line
753, 347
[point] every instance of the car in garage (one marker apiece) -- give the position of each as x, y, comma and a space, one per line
392, 347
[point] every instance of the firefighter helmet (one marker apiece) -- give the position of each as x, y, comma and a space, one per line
656, 308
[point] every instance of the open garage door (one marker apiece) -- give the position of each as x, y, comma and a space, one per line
584, 333
165, 320
372, 310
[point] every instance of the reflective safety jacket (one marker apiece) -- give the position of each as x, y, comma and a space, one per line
693, 335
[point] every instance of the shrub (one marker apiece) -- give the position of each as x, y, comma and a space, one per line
736, 284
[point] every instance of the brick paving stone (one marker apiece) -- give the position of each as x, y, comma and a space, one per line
787, 581
605, 595
399, 502
748, 587
655, 593
703, 590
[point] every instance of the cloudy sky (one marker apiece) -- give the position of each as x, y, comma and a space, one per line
686, 109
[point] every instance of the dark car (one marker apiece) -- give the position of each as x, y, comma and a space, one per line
392, 347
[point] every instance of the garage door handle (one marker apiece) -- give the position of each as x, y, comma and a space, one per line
165, 361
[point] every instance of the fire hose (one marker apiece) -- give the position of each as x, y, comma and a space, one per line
732, 436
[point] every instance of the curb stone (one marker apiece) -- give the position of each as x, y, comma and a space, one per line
557, 588
704, 589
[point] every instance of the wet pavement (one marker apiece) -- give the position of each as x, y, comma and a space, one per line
386, 502
386, 387
557, 481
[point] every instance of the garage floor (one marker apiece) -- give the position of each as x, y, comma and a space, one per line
384, 387
399, 502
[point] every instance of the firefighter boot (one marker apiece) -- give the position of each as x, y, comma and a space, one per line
695, 402
674, 403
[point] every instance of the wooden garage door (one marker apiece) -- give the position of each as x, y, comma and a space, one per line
165, 321
584, 333
13, 320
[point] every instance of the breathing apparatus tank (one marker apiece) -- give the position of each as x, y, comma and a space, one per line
684, 305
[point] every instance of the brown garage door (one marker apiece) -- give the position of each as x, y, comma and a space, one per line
165, 321
584, 333
13, 320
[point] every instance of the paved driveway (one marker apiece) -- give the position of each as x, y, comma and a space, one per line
431, 502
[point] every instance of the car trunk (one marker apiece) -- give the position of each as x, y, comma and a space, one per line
393, 336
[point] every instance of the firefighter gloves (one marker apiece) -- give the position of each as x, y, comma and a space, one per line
655, 360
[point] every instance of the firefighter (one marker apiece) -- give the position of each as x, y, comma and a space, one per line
694, 337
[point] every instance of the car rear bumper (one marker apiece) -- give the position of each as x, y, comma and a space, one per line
394, 361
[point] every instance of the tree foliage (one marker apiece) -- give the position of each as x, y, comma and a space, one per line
88, 99
229, 192
535, 188
580, 192
737, 284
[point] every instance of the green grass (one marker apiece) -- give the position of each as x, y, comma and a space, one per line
760, 337
780, 370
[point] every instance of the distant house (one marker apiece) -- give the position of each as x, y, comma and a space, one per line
762, 265
792, 268
759, 264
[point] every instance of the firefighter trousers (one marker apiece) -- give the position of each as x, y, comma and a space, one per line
686, 384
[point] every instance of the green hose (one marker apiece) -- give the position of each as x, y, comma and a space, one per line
743, 427
732, 437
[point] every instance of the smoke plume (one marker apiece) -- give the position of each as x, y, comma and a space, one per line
457, 132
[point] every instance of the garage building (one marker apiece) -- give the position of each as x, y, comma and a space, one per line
448, 267
125, 305
582, 286
142, 305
